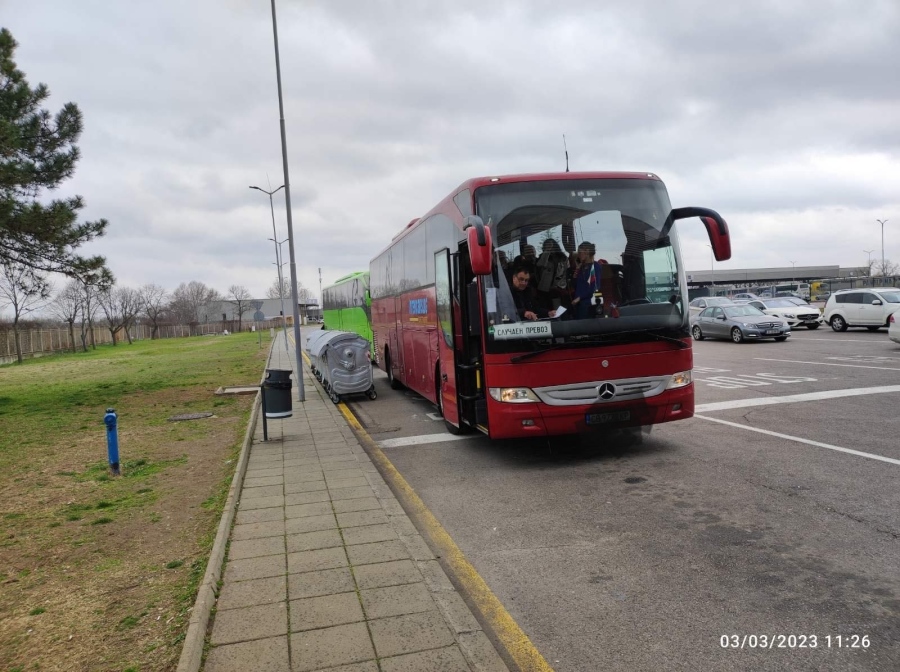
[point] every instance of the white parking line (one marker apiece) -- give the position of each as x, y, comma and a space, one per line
852, 366
818, 444
793, 398
425, 438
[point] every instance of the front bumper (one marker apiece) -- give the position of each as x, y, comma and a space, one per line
538, 419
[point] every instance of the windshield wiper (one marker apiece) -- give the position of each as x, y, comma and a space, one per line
609, 338
555, 346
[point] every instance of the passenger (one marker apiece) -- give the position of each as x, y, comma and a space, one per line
586, 282
551, 274
524, 296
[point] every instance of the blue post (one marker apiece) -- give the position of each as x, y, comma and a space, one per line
112, 440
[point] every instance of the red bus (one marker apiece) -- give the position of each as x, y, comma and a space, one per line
446, 322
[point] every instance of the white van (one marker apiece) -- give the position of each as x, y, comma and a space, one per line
870, 308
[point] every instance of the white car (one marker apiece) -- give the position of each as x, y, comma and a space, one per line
868, 307
795, 315
894, 327
699, 305
745, 296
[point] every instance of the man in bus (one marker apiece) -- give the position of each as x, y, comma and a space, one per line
587, 283
524, 295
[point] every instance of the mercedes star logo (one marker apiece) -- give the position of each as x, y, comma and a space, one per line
606, 391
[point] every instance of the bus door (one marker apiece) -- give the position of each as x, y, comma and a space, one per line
447, 305
469, 344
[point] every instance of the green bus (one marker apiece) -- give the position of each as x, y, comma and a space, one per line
345, 306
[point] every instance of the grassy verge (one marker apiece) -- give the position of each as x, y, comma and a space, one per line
99, 572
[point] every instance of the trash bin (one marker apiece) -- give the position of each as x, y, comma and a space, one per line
277, 393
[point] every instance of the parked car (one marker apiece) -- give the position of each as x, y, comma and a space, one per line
796, 312
894, 327
738, 323
744, 296
697, 305
870, 308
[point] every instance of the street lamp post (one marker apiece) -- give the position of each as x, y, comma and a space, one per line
279, 264
321, 297
882, 222
301, 392
277, 260
793, 267
869, 261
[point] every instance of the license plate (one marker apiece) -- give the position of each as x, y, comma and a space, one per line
773, 331
603, 418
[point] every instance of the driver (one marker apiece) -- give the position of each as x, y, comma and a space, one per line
524, 295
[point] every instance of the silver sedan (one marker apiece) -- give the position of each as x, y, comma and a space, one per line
738, 323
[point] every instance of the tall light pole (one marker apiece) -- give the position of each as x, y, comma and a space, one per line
277, 260
882, 222
321, 297
793, 266
301, 392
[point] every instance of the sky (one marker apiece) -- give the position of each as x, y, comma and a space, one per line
783, 116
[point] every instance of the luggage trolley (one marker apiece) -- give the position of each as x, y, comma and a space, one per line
342, 364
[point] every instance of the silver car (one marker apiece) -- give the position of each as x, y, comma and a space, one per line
738, 323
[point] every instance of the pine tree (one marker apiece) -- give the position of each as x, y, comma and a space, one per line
38, 153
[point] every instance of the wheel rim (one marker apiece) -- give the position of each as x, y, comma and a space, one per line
736, 335
696, 333
836, 323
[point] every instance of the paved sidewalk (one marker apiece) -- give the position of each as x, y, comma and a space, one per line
325, 571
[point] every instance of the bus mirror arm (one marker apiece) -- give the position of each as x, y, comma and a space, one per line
716, 228
481, 251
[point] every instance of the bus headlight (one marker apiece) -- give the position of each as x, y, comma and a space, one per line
513, 395
682, 379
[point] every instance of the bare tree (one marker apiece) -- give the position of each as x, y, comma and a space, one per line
278, 290
885, 268
239, 298
154, 300
120, 306
89, 291
191, 301
67, 306
23, 289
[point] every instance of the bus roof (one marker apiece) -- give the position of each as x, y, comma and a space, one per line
349, 276
474, 183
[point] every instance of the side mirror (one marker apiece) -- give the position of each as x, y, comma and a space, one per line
716, 228
481, 250
876, 302
721, 317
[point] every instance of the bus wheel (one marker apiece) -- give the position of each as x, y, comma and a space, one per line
395, 384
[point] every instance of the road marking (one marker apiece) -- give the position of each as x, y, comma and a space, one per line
793, 398
839, 340
818, 444
752, 380
418, 440
852, 366
520, 649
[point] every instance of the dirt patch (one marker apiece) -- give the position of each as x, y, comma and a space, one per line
99, 573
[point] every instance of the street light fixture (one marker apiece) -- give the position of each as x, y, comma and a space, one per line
882, 222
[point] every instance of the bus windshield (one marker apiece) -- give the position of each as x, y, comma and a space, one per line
548, 231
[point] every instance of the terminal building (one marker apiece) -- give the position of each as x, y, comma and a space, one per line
816, 281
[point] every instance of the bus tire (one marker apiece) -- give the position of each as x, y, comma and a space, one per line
395, 384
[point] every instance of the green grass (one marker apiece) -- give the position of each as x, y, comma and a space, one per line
60, 500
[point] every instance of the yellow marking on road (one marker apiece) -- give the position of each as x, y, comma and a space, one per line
514, 640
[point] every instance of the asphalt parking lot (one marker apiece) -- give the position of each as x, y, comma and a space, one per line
771, 515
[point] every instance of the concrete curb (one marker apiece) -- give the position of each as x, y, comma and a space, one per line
195, 638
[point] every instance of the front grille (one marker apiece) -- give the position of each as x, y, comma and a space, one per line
808, 317
575, 394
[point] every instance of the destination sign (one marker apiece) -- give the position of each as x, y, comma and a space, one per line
504, 332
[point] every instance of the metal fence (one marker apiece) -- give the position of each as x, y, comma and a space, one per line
39, 342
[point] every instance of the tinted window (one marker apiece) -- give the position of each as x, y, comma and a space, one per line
850, 297
707, 313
